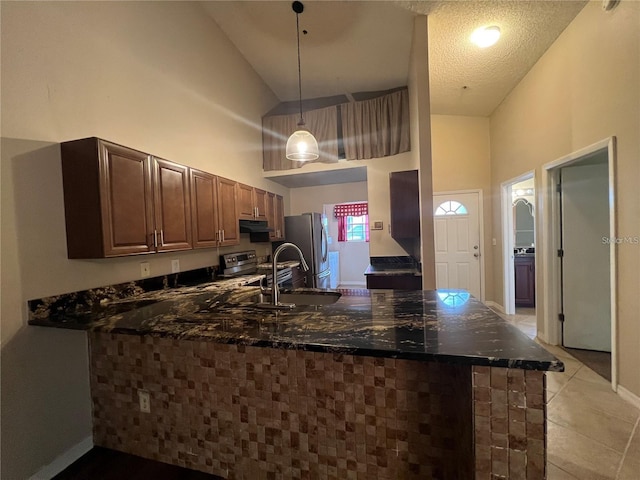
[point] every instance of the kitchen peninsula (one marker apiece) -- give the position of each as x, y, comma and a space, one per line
381, 384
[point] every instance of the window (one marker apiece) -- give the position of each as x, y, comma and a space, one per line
353, 221
451, 207
357, 228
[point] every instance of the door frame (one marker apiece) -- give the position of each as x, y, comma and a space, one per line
550, 223
508, 269
478, 192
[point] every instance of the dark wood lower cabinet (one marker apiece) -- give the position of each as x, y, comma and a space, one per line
394, 282
525, 281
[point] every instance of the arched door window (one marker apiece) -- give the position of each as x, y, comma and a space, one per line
451, 207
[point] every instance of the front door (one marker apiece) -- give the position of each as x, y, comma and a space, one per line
457, 242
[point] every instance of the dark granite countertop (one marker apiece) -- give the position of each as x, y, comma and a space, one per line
444, 326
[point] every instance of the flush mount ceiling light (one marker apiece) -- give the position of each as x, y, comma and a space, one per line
302, 145
485, 36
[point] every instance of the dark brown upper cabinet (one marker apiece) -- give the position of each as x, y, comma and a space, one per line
252, 203
213, 210
228, 212
405, 204
279, 218
275, 216
119, 201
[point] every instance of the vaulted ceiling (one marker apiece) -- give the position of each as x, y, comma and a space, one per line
355, 46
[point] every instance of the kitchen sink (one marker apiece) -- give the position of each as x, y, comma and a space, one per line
303, 298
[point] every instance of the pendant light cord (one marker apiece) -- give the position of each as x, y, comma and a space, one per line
301, 123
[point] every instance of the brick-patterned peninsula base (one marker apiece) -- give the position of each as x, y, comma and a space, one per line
250, 412
509, 423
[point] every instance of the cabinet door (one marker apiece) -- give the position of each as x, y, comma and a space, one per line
172, 206
260, 203
126, 199
279, 218
271, 214
525, 295
394, 282
405, 204
228, 212
246, 206
204, 209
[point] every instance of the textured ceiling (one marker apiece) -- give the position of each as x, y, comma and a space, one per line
357, 46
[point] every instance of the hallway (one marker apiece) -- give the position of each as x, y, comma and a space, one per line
592, 433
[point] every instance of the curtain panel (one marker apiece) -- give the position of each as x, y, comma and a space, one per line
350, 209
276, 129
376, 128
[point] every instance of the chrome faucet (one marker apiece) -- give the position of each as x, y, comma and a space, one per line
275, 291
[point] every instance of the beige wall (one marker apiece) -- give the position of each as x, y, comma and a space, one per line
159, 77
421, 143
583, 90
378, 169
462, 161
311, 199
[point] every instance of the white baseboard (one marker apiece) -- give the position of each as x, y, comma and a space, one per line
63, 461
494, 305
632, 398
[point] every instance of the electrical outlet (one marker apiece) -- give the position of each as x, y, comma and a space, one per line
145, 401
494, 242
145, 269
175, 266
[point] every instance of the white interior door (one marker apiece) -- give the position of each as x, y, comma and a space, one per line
457, 242
585, 264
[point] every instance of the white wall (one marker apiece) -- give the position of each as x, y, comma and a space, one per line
157, 76
583, 90
353, 256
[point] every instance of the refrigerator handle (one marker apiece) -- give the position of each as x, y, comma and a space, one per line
325, 243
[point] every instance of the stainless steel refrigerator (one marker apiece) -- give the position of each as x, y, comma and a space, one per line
308, 233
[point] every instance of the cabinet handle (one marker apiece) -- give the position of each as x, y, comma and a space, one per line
155, 239
222, 235
161, 238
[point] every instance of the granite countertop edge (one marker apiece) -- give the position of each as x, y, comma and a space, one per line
392, 271
384, 323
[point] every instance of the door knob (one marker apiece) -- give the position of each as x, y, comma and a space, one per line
475, 247
476, 255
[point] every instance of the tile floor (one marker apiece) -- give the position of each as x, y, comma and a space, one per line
592, 433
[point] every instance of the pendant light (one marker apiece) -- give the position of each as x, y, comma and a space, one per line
302, 145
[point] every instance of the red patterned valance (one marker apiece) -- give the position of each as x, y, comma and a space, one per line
351, 209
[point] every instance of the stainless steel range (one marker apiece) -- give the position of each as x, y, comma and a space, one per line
246, 264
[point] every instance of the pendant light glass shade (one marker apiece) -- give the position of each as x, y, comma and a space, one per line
302, 146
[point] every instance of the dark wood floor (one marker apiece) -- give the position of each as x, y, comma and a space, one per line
105, 464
